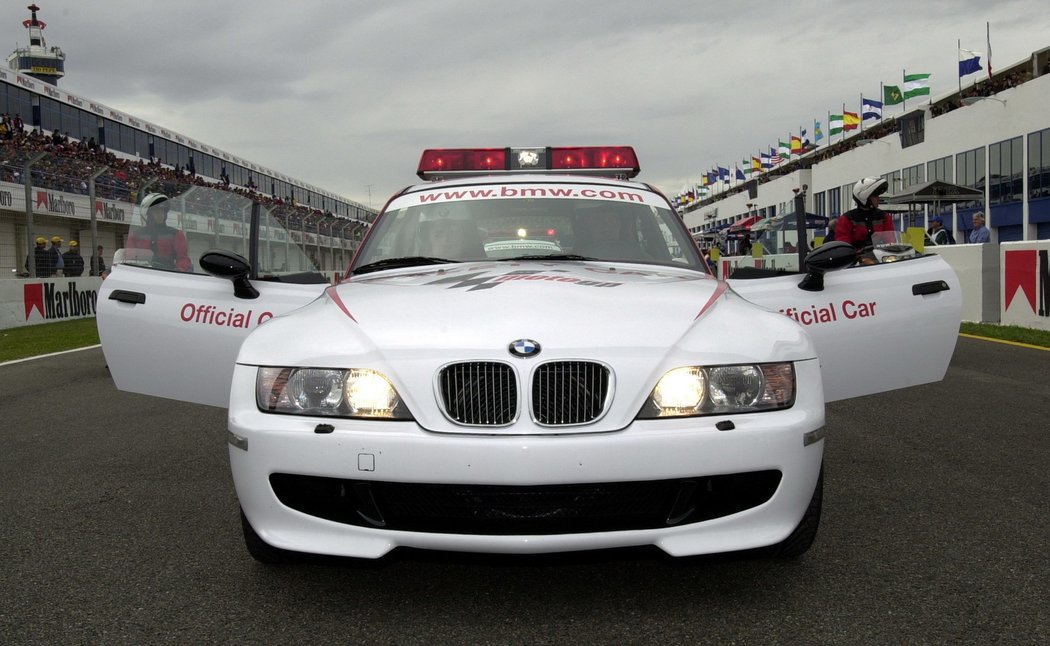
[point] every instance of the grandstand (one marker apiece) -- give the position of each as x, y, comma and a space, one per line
993, 136
88, 164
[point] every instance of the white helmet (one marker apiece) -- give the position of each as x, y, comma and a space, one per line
868, 188
153, 199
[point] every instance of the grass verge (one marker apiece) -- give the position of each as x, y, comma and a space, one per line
1013, 333
34, 340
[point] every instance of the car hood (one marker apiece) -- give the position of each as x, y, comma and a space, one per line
638, 320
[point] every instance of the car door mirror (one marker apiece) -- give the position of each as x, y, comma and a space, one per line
827, 257
226, 264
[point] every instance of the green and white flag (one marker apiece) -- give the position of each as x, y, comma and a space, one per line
891, 95
835, 124
916, 85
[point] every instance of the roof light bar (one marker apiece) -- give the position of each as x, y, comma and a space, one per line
608, 161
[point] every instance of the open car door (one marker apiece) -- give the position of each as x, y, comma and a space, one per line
170, 329
876, 328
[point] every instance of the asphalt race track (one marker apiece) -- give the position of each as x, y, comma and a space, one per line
118, 524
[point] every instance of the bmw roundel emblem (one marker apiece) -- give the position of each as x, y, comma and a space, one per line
524, 348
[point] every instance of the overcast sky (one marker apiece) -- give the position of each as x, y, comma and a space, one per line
346, 94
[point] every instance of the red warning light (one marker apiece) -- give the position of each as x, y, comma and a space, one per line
461, 160
438, 163
609, 158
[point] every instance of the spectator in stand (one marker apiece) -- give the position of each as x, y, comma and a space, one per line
74, 262
98, 263
980, 233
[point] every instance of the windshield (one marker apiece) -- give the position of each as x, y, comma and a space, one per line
883, 238
429, 227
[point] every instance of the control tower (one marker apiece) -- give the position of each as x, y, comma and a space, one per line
47, 64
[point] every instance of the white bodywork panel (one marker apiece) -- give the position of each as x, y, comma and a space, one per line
872, 333
182, 340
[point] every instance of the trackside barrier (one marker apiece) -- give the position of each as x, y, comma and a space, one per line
1025, 284
1007, 283
46, 300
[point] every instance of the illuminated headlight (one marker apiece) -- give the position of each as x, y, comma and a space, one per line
718, 390
356, 392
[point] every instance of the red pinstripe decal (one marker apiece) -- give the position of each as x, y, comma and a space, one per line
722, 286
334, 295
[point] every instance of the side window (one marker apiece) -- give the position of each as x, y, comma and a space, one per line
279, 254
170, 232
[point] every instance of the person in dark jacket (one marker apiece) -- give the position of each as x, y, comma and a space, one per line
98, 263
45, 265
73, 261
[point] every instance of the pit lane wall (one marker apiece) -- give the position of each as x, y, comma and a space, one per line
1007, 283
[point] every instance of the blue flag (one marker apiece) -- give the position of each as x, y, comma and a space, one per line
739, 174
970, 65
872, 109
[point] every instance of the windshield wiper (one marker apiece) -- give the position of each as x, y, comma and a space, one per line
406, 261
548, 256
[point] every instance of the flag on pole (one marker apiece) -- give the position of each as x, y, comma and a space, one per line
747, 166
988, 33
739, 174
850, 120
871, 109
892, 95
969, 62
835, 124
756, 165
774, 156
916, 85
818, 134
796, 144
765, 161
723, 174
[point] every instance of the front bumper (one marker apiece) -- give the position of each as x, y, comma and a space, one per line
554, 492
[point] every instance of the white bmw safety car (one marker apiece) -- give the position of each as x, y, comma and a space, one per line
527, 354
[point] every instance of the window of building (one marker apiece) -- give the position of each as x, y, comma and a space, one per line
1005, 171
911, 176
50, 115
834, 201
1039, 164
969, 171
940, 170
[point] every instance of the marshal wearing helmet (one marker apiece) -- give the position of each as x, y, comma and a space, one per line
167, 244
856, 225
